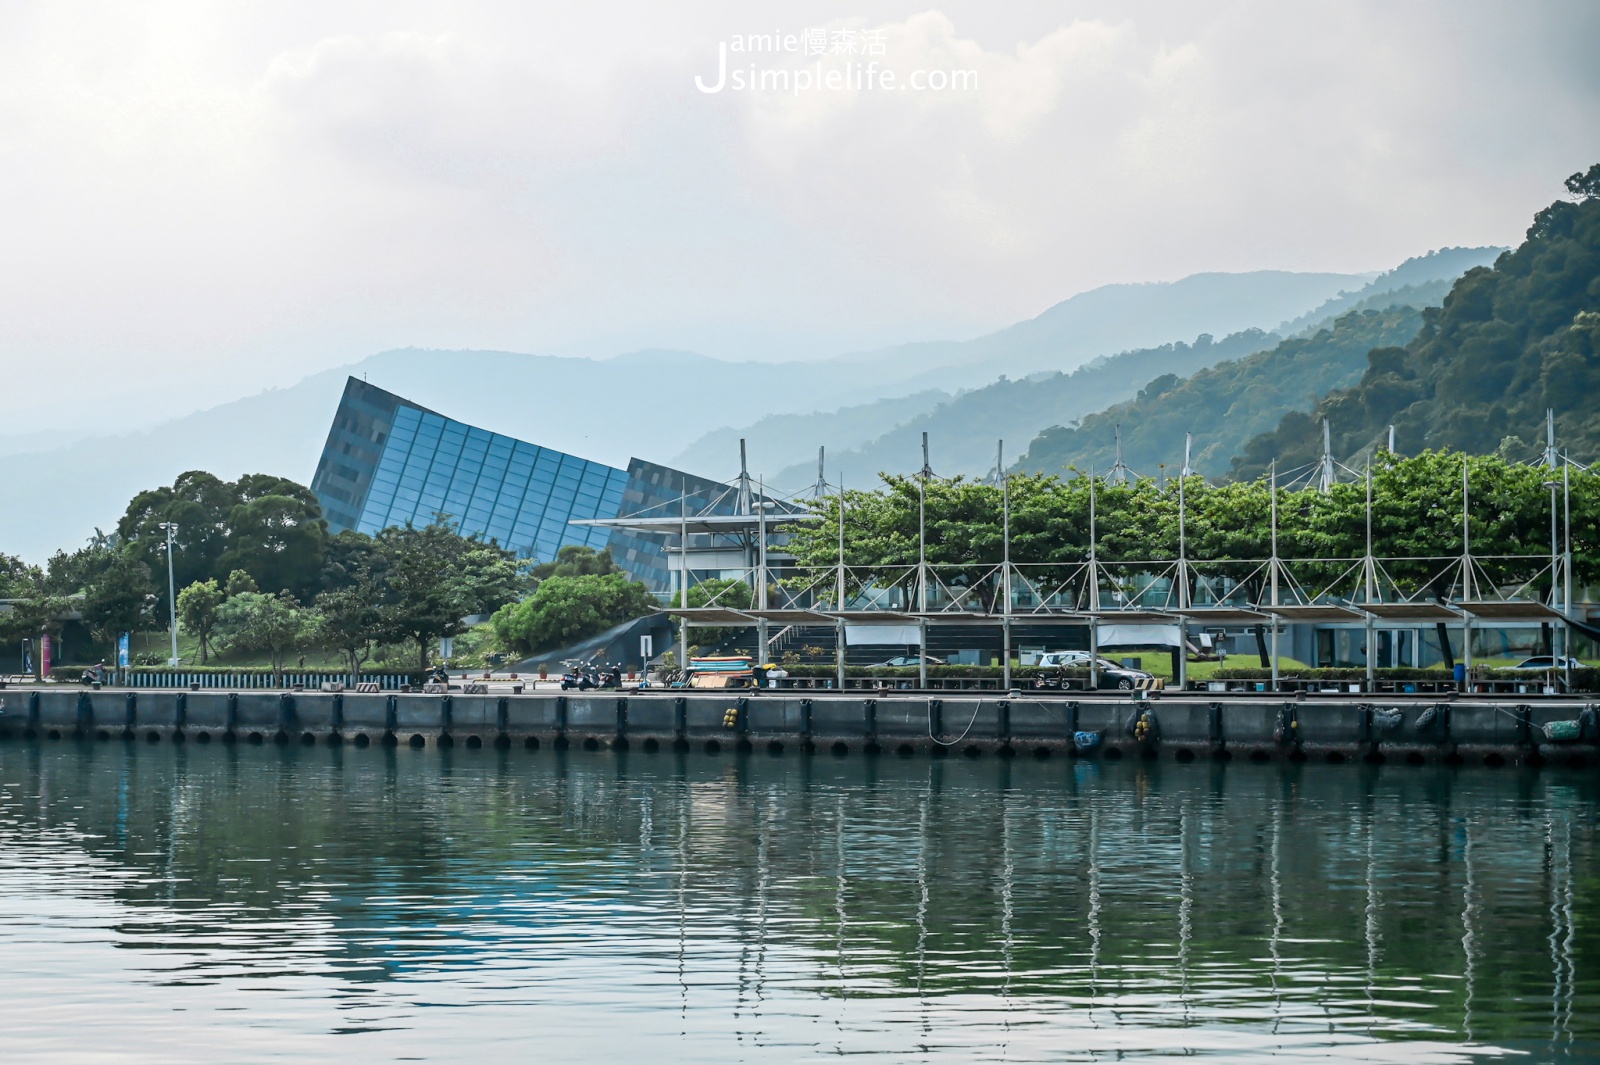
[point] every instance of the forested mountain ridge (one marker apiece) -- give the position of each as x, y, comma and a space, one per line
1509, 342
963, 431
1420, 281
1224, 405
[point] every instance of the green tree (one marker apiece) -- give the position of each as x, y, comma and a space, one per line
576, 560
199, 503
434, 578
197, 609
278, 538
268, 526
563, 610
727, 592
1585, 184
348, 620
33, 609
349, 558
240, 582
255, 621
119, 599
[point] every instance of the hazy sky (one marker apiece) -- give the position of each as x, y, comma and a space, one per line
221, 196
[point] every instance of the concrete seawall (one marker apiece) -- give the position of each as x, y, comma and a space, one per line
1184, 728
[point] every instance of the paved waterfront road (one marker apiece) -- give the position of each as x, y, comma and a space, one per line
187, 904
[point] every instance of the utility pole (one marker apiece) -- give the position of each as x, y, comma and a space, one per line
171, 527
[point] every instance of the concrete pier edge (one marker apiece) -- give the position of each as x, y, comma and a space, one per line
1416, 730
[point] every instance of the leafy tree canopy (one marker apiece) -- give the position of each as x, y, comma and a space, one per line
576, 560
1417, 525
434, 578
268, 526
565, 609
197, 610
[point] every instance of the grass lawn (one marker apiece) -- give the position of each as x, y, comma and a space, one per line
159, 643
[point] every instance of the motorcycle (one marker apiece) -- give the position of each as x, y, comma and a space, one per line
581, 679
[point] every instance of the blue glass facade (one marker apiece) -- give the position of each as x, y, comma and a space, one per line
388, 461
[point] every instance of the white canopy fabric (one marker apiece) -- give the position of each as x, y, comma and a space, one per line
1138, 636
863, 635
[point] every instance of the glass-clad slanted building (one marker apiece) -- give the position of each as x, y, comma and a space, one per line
388, 461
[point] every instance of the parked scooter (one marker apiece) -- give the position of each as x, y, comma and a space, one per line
580, 677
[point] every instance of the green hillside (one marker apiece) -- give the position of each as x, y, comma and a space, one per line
1225, 405
963, 431
1509, 342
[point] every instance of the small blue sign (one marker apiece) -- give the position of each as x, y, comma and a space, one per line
122, 651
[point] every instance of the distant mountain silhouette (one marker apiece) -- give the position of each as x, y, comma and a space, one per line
653, 404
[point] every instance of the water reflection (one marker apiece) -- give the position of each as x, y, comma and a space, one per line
222, 904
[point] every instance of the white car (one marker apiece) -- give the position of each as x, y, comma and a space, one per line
1064, 659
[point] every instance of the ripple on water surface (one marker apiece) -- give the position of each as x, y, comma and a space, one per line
225, 905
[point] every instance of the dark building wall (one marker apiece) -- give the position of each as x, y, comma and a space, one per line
360, 430
661, 491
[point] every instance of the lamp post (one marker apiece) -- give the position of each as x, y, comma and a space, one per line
171, 527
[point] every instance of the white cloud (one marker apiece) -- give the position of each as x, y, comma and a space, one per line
208, 198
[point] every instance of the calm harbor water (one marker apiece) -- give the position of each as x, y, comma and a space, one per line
211, 904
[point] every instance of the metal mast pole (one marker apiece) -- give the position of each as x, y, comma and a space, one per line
1371, 582
1094, 593
683, 575
1272, 571
1005, 564
1566, 569
922, 565
1182, 677
172, 594
1550, 460
761, 573
838, 624
1466, 568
